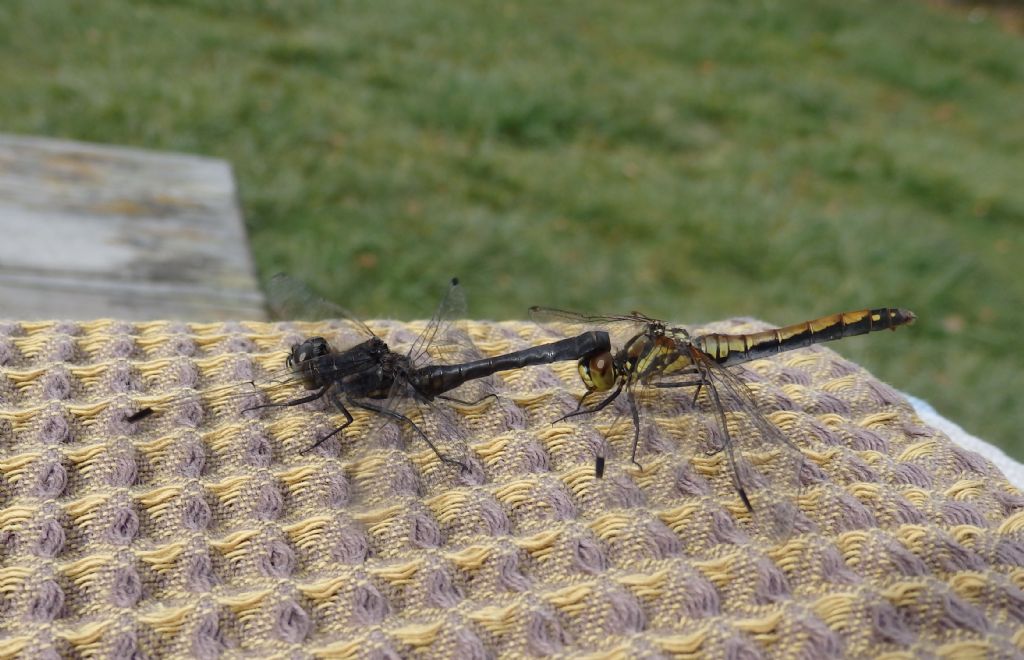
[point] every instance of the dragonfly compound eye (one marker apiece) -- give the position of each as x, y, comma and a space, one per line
309, 350
598, 371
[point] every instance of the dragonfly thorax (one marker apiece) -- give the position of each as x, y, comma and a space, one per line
314, 359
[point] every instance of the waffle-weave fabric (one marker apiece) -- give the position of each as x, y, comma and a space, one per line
205, 530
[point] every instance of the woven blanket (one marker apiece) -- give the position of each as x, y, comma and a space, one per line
205, 530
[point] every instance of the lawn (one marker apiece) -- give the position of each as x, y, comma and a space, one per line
694, 160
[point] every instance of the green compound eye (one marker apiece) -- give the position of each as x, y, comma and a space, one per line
598, 372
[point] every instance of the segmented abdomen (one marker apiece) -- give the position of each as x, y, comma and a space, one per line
732, 349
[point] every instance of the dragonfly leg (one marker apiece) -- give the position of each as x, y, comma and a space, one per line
348, 420
394, 414
294, 402
599, 407
679, 383
466, 403
636, 427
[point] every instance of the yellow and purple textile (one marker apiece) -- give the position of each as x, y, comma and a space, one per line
205, 531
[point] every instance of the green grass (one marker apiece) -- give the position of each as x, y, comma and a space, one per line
694, 160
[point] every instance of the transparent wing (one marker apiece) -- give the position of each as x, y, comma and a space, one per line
452, 307
291, 300
765, 465
621, 328
409, 419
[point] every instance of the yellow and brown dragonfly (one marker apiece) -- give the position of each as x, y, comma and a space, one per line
654, 354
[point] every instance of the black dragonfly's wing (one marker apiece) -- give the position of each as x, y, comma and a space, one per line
620, 327
291, 300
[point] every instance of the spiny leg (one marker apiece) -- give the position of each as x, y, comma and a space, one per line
598, 408
636, 426
294, 402
460, 402
348, 420
394, 414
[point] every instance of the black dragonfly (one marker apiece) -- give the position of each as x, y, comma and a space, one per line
372, 377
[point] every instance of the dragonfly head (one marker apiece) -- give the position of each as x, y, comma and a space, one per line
301, 359
598, 371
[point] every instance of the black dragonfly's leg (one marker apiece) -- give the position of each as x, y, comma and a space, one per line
294, 402
599, 407
394, 414
348, 420
466, 403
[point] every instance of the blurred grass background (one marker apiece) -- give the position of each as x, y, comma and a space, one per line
694, 160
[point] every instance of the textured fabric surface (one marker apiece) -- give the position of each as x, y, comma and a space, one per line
204, 530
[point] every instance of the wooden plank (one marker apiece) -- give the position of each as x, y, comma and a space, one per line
92, 231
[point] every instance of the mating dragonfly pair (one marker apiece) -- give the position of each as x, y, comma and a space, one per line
650, 354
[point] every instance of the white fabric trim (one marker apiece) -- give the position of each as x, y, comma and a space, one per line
1013, 470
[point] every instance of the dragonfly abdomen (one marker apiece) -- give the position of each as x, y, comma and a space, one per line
437, 379
729, 349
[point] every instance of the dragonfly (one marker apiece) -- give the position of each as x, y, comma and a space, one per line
370, 376
658, 355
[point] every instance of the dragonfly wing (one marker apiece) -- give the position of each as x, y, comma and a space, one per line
292, 300
621, 328
452, 307
765, 465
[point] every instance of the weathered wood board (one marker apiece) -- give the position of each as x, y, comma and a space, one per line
89, 231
